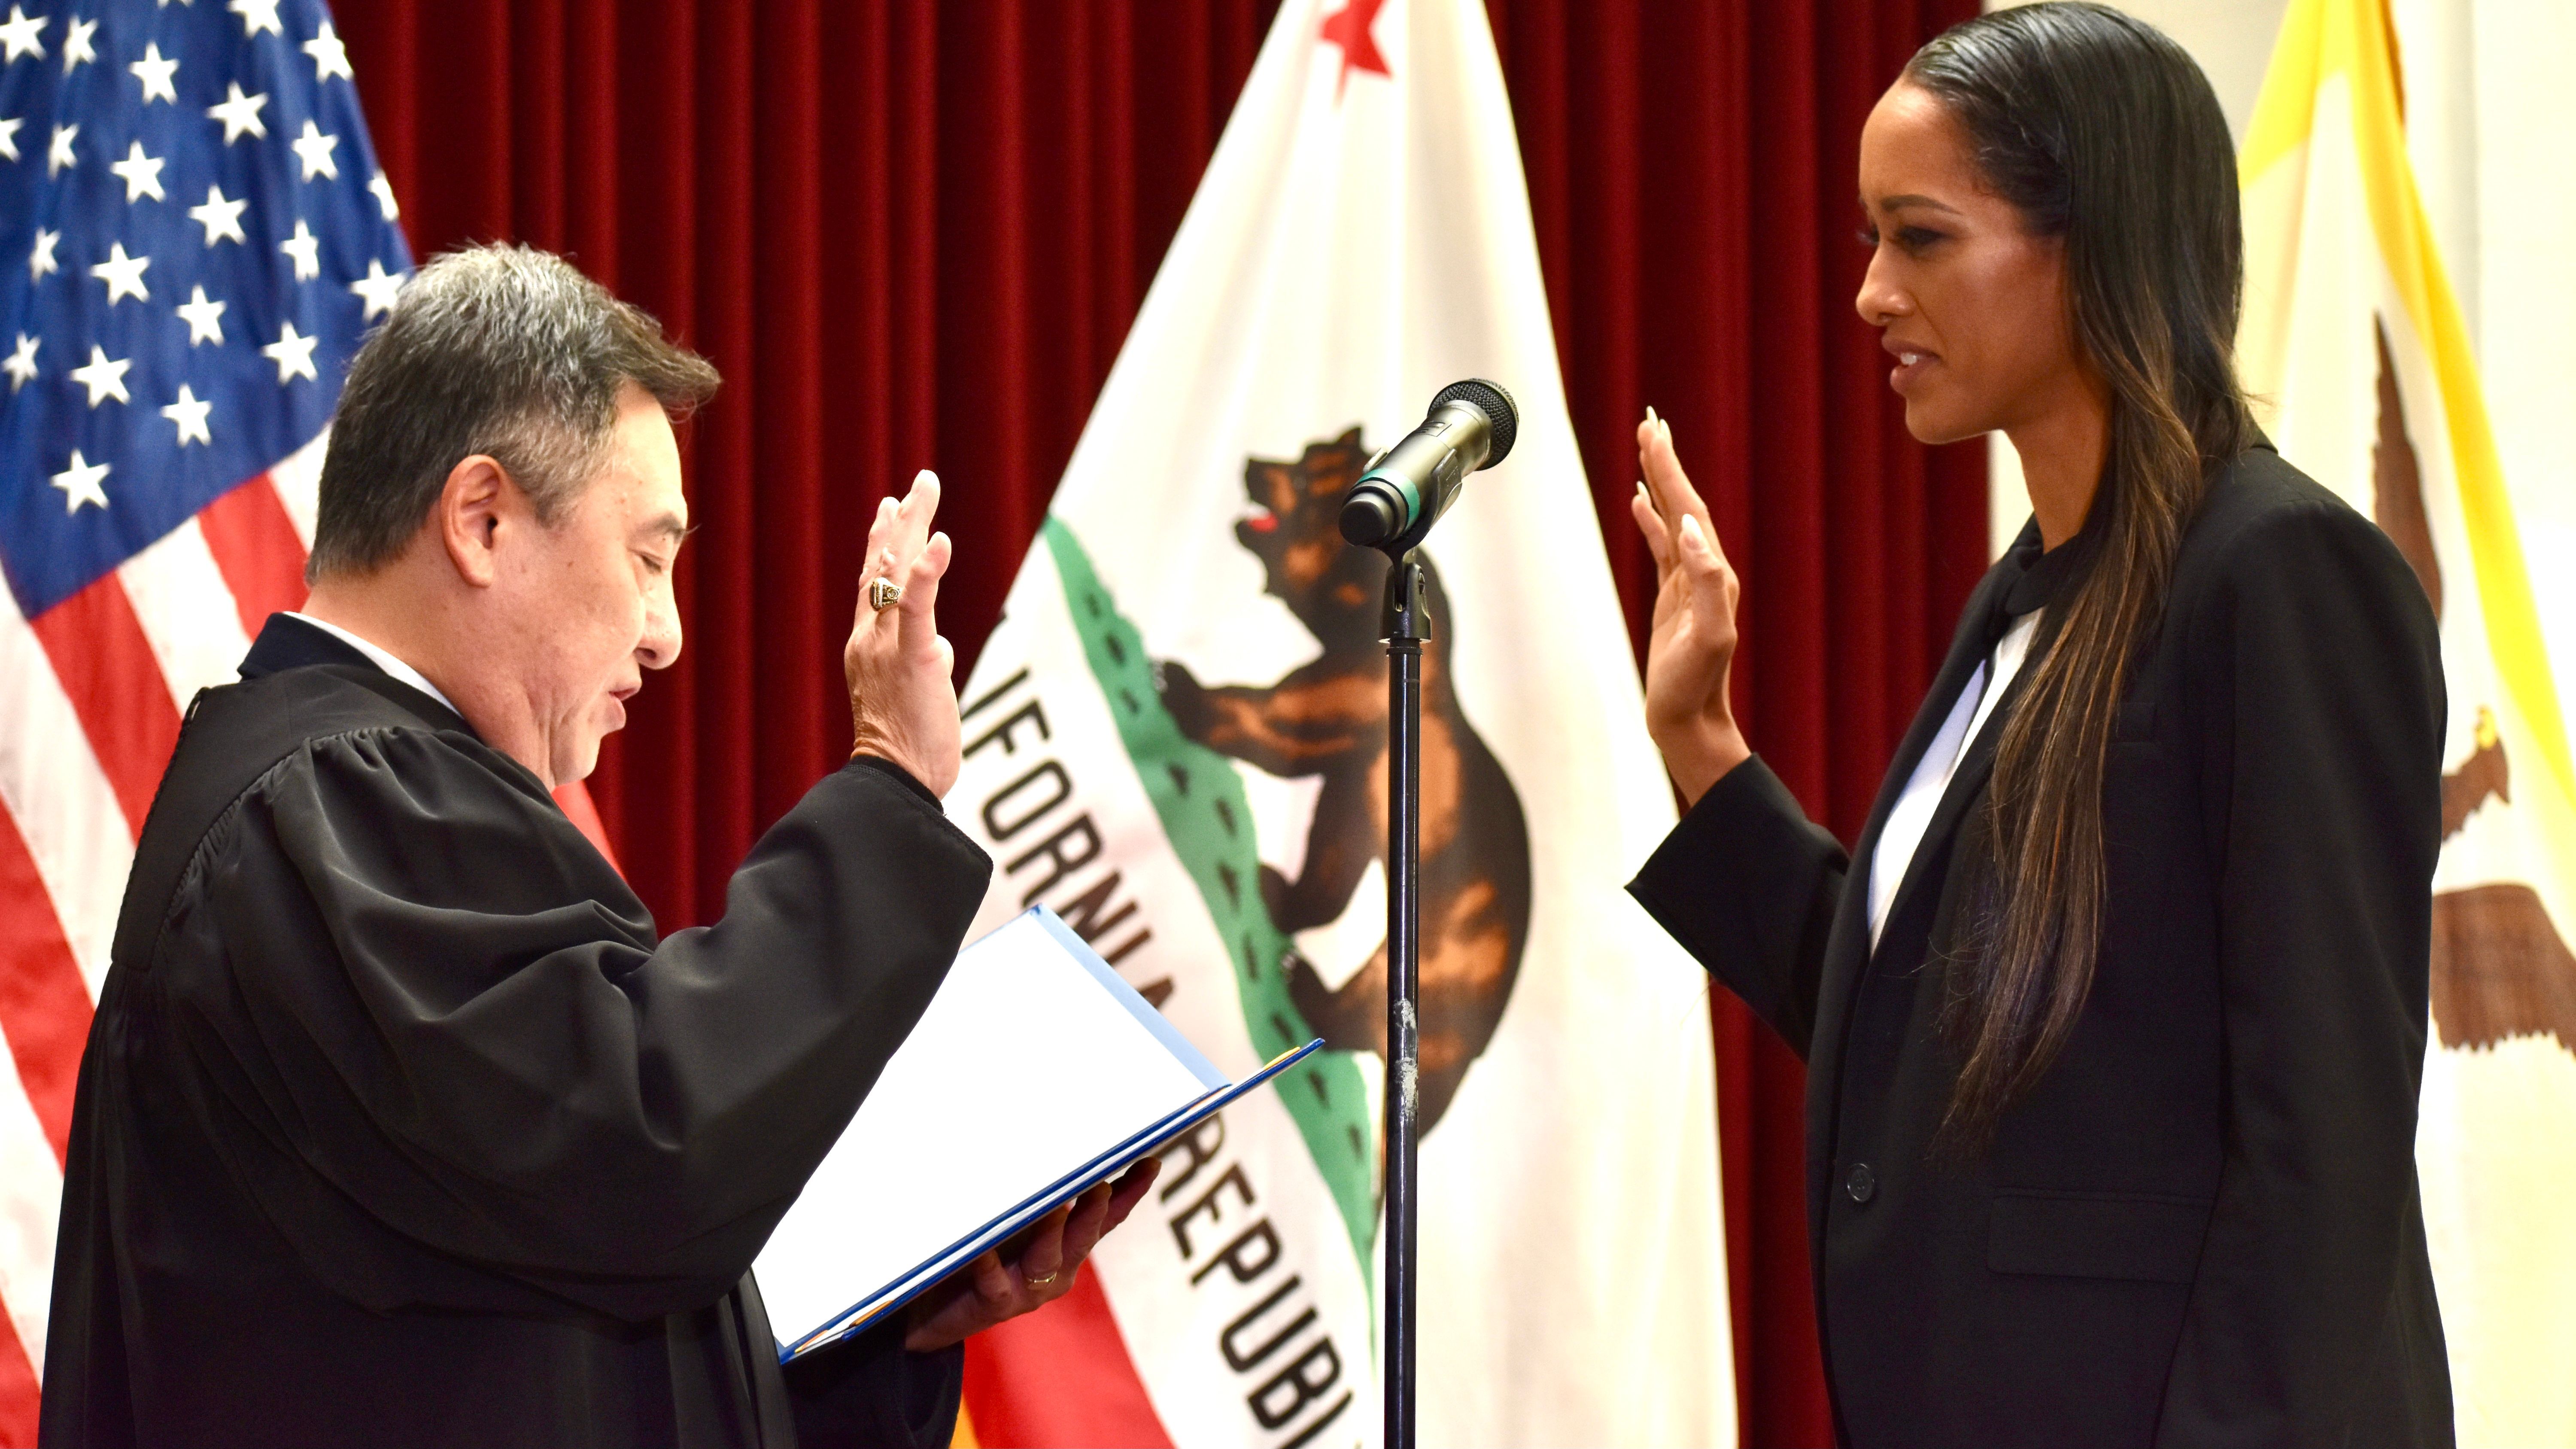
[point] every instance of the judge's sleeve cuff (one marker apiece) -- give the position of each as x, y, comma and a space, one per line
893, 771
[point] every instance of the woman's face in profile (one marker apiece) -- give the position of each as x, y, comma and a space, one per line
1970, 304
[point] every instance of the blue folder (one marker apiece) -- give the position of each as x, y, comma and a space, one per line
1146, 1140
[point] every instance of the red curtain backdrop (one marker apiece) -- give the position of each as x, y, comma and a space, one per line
913, 234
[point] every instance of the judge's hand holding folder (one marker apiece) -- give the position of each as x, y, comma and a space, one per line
1006, 1158
1041, 1270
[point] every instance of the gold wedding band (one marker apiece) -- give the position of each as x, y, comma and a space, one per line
1042, 1282
884, 593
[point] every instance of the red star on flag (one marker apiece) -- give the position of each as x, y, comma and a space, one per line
1348, 28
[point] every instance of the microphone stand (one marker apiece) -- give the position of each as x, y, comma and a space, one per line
1407, 624
1391, 507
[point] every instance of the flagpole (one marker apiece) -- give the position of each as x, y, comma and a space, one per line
1406, 625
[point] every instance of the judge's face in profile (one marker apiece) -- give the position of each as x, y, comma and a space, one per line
592, 593
1969, 303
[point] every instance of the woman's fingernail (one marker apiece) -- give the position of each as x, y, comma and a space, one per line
1650, 412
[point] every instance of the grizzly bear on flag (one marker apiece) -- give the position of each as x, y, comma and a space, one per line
1328, 719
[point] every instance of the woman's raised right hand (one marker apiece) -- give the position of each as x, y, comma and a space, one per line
1692, 645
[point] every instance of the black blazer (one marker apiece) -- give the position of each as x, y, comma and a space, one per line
2201, 1225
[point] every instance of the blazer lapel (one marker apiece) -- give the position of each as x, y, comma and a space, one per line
1980, 625
1847, 944
1906, 931
1967, 787
1975, 640
1847, 949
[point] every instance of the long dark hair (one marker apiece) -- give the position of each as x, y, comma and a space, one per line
2104, 134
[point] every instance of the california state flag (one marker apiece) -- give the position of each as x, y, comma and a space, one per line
2353, 335
1176, 738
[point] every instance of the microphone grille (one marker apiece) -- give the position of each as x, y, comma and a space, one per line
1490, 399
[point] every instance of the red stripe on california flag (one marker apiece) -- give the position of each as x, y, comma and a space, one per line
18, 1388
1060, 1378
256, 547
107, 668
44, 1005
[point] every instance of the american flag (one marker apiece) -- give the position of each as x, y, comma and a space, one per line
193, 239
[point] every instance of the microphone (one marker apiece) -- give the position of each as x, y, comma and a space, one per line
1407, 487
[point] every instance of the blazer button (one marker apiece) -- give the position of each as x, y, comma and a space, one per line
1860, 1182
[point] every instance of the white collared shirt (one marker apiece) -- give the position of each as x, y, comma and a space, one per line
1913, 811
384, 660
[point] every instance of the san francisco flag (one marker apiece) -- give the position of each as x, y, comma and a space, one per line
1176, 738
2354, 338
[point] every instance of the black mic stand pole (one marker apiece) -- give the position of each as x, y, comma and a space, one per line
1407, 625
1471, 426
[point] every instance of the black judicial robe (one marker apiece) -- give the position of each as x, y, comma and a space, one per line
2200, 1226
401, 1125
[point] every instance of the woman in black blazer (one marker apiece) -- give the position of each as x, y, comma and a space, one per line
2114, 1020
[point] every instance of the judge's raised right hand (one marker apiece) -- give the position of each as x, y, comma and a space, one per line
903, 705
1692, 645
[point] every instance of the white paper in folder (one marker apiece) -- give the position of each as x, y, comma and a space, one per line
1034, 1073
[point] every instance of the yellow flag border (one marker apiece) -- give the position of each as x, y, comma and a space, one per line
2323, 38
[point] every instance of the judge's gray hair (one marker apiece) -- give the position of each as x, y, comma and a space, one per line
500, 350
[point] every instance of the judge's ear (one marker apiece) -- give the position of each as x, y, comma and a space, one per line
478, 504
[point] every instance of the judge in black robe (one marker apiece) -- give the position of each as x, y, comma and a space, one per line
399, 1123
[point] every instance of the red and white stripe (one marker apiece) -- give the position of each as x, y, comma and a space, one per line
91, 695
